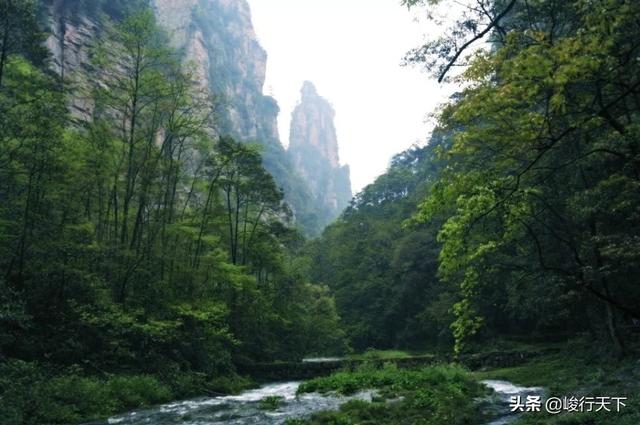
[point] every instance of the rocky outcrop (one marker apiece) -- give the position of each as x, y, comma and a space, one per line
313, 149
72, 29
217, 36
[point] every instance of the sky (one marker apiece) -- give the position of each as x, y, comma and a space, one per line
352, 51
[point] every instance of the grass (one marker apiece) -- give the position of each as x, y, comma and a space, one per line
444, 394
434, 395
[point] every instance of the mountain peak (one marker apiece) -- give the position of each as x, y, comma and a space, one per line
313, 149
308, 90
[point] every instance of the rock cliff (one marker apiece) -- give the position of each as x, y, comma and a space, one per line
218, 38
313, 149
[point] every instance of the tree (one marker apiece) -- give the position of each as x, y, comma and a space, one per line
251, 197
19, 32
546, 125
32, 118
384, 280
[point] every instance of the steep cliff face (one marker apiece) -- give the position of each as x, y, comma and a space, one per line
72, 27
313, 149
218, 38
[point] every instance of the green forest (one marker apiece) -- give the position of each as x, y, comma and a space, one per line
145, 256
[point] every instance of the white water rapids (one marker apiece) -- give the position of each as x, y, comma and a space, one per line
244, 409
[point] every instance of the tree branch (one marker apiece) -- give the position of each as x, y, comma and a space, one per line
477, 37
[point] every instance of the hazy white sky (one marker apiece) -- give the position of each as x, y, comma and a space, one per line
351, 50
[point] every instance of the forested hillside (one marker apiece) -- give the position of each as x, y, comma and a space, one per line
382, 268
527, 195
137, 247
217, 39
515, 228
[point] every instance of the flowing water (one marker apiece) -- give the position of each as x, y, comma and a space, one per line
245, 408
497, 405
322, 359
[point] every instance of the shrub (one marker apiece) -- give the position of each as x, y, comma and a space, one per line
29, 395
271, 402
436, 395
130, 392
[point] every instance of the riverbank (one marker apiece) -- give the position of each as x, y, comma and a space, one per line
32, 393
377, 388
578, 370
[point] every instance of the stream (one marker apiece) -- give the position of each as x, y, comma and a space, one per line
244, 409
497, 405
